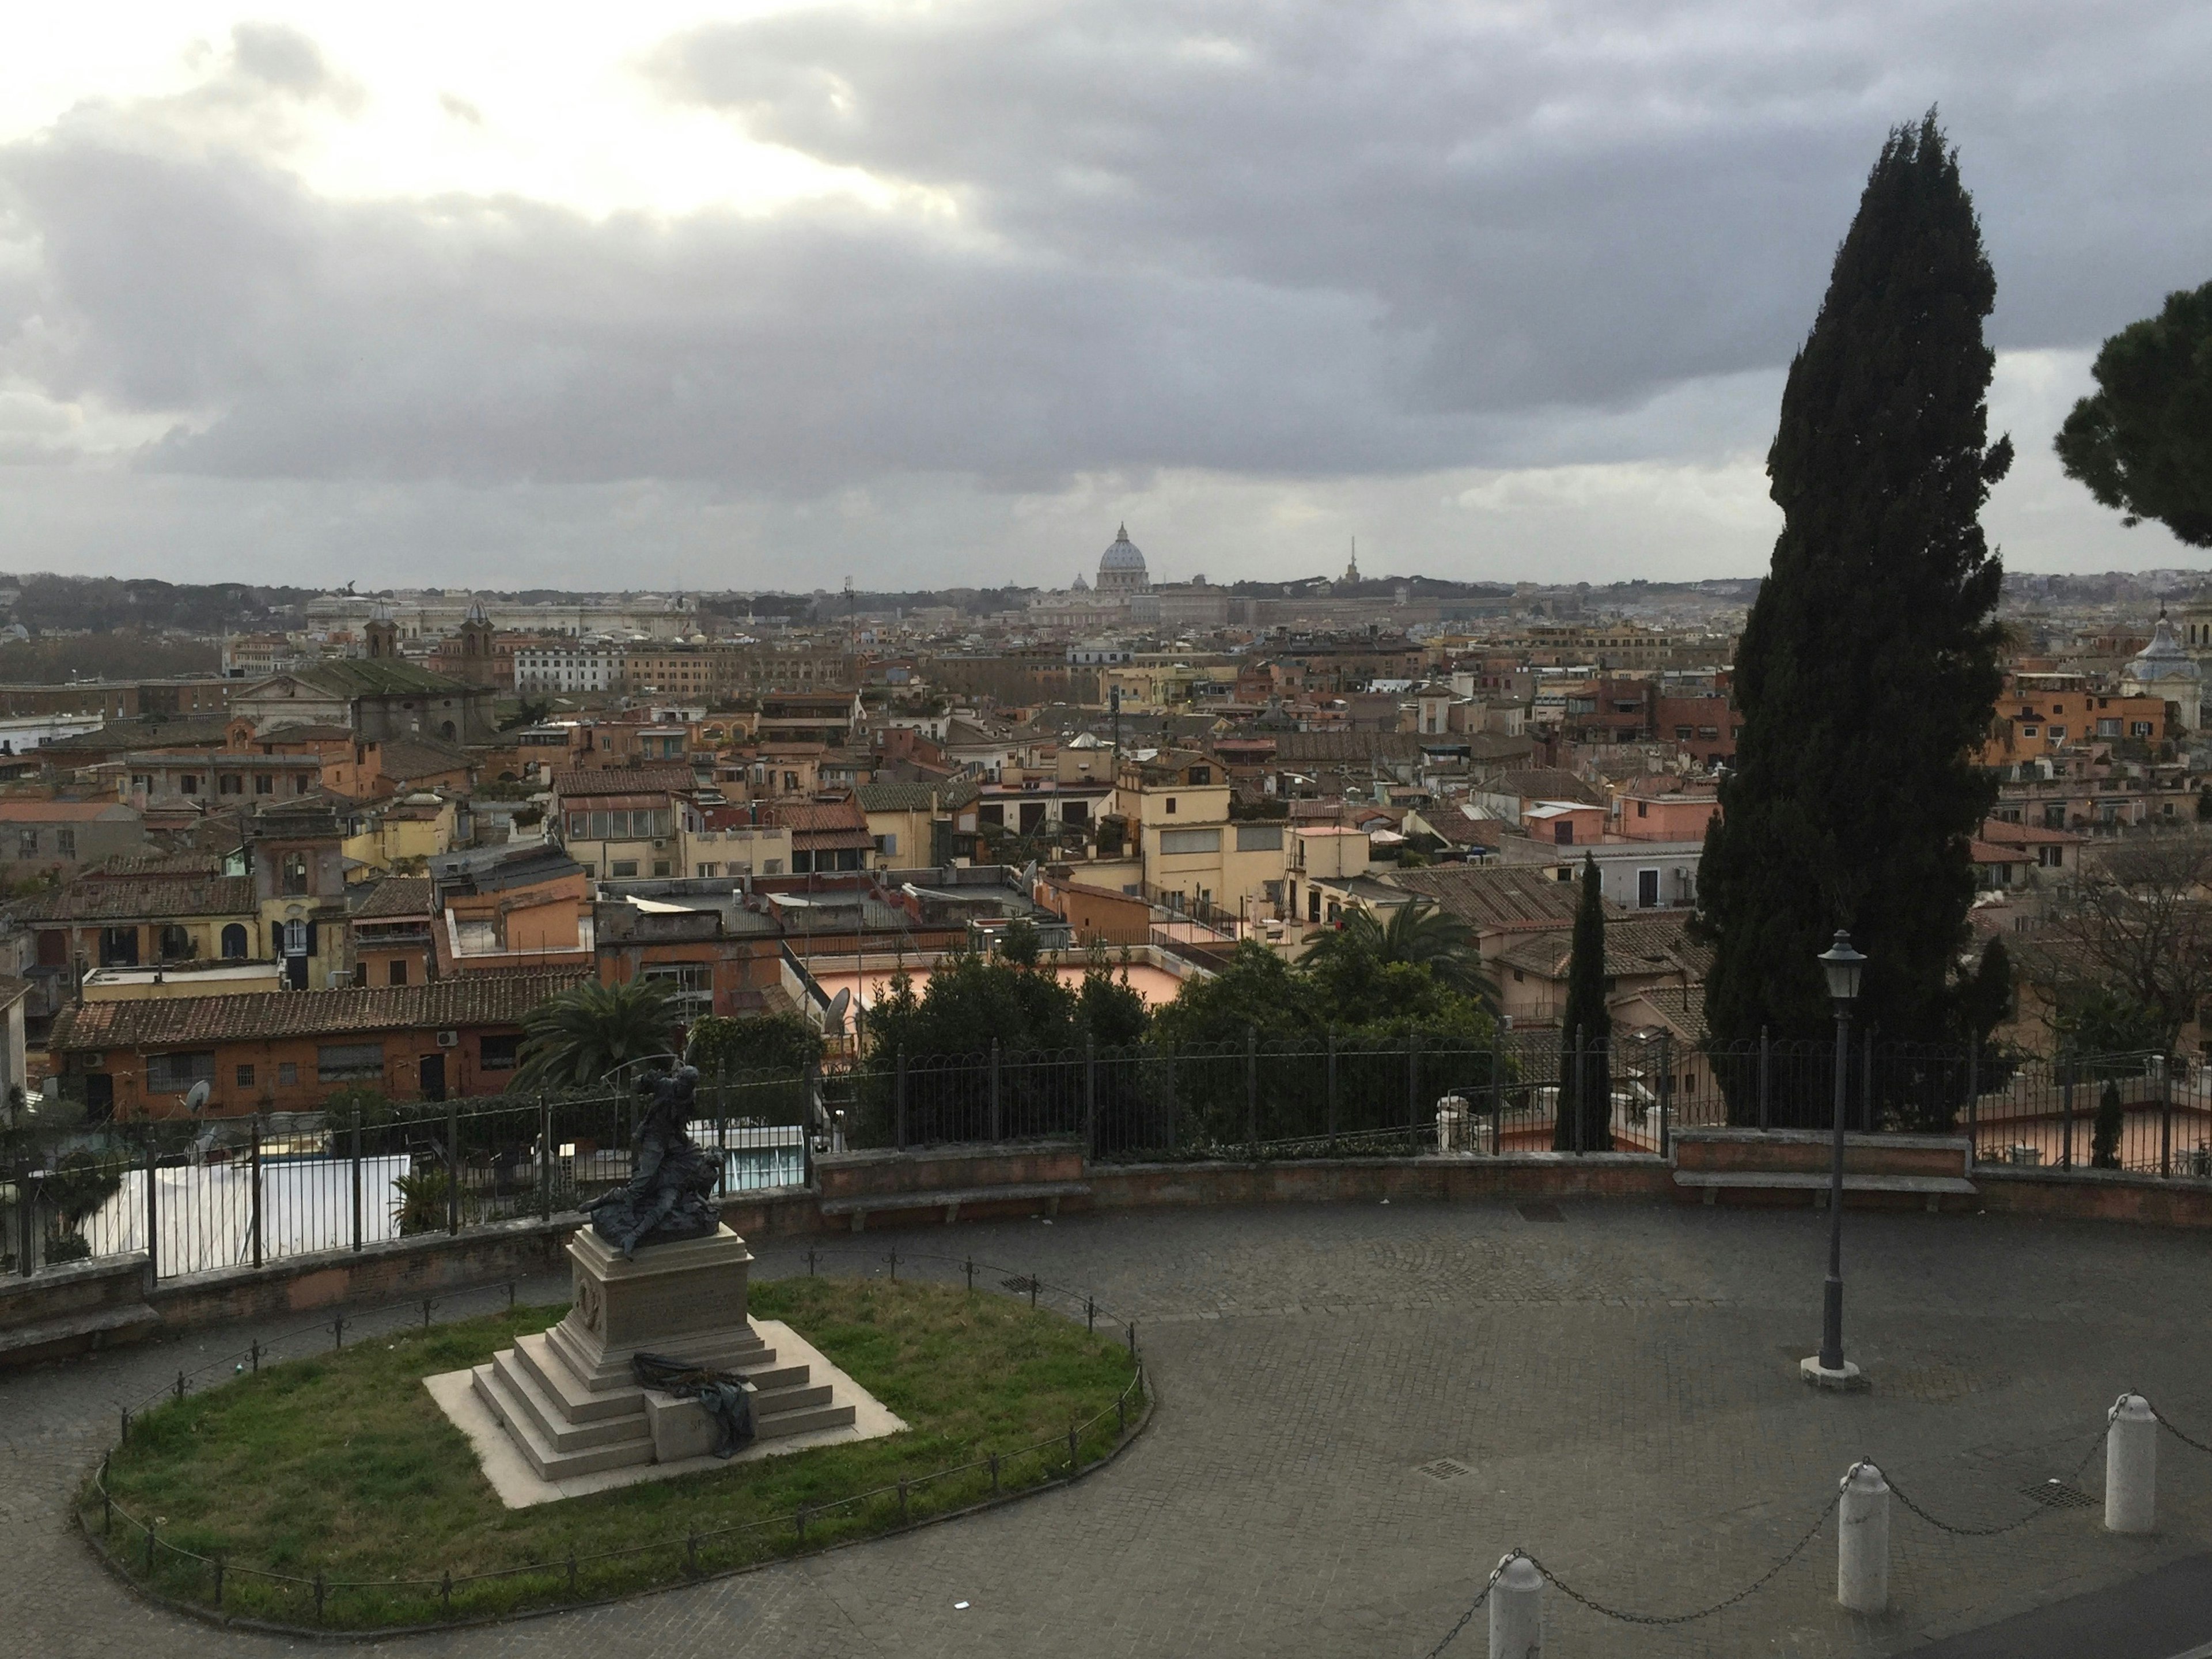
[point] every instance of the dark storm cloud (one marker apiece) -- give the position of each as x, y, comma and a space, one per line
1300, 239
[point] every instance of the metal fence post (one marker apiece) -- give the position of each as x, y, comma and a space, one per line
1866, 1088
1412, 1082
256, 1172
545, 1158
453, 1167
1973, 1100
1666, 1091
998, 1119
2164, 1114
2066, 1108
1090, 1097
153, 1215
1765, 1053
1252, 1087
1581, 1082
26, 1205
898, 1102
357, 1177
1332, 1091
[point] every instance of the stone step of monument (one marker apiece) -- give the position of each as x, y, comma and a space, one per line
551, 1462
563, 1433
777, 1376
549, 1366
803, 1421
792, 1398
738, 1350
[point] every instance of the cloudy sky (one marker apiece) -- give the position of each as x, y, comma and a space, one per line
933, 292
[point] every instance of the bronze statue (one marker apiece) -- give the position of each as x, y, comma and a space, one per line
670, 1195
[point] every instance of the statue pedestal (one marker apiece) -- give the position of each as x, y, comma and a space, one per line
568, 1400
686, 1300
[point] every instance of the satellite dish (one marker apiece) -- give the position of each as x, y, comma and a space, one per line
198, 1097
836, 1018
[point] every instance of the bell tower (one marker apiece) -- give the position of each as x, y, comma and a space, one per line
383, 633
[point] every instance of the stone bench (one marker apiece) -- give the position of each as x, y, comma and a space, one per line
74, 1309
883, 1181
1711, 1162
1049, 1192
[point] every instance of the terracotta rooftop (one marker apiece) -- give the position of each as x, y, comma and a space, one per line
486, 999
397, 896
1495, 898
63, 812
624, 780
112, 898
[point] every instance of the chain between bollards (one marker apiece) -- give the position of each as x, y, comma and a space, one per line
1743, 1594
1473, 1607
1998, 1531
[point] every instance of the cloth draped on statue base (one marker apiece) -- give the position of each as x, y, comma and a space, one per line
721, 1392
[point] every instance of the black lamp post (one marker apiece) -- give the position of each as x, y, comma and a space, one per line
1843, 966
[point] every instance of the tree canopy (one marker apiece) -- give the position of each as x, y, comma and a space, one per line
2142, 441
1583, 1122
1868, 668
782, 1042
1343, 983
972, 1000
575, 1038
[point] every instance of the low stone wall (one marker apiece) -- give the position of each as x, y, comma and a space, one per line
2093, 1195
1521, 1175
946, 1168
39, 1311
392, 1272
74, 1309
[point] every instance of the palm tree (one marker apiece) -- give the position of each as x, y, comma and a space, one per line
577, 1036
1421, 935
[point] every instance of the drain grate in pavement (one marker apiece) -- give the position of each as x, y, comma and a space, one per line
2057, 1495
1444, 1468
1543, 1212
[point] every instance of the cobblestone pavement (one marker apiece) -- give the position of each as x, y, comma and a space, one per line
1620, 1383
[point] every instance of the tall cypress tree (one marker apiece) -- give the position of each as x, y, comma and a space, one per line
1584, 1122
1868, 668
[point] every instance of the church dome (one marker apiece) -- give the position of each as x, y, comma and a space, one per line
2163, 660
1123, 555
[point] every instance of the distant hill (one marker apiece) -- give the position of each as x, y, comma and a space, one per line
101, 605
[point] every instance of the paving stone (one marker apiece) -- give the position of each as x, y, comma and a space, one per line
1622, 1389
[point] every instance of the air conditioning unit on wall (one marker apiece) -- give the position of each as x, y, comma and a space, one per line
449, 1039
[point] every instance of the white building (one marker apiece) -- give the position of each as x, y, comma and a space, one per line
2163, 669
583, 666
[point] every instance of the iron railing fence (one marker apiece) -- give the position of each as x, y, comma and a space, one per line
232, 1193
225, 1193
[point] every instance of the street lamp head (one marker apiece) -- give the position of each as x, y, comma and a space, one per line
1844, 965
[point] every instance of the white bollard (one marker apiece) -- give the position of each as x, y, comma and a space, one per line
2131, 1465
1862, 1540
1517, 1610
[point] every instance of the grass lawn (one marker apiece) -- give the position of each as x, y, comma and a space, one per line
342, 1465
